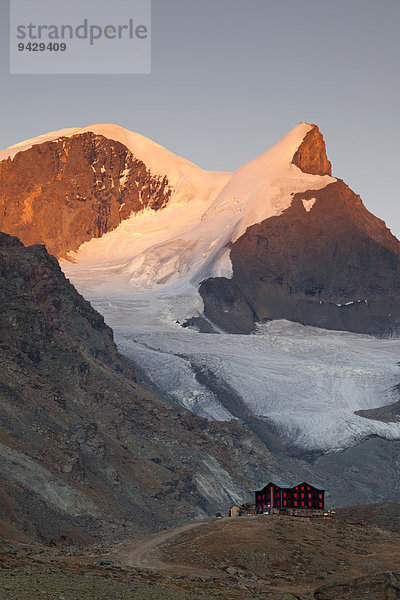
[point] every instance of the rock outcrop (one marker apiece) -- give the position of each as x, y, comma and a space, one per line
379, 586
85, 451
65, 192
311, 156
325, 261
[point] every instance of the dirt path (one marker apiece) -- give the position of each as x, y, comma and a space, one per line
143, 553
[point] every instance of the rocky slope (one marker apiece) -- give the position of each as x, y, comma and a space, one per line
85, 451
263, 558
282, 555
370, 587
385, 515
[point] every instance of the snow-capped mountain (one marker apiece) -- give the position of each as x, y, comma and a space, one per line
167, 252
70, 186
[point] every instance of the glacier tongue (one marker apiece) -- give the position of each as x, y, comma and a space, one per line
306, 381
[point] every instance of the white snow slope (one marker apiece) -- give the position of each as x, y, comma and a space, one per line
143, 277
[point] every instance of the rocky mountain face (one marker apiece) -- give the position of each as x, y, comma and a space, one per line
87, 452
311, 156
325, 261
65, 192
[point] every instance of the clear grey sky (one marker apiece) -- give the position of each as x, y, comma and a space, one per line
231, 77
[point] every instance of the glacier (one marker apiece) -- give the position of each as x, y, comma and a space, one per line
305, 381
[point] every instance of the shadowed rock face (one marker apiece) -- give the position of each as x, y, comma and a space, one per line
65, 192
311, 154
85, 451
325, 261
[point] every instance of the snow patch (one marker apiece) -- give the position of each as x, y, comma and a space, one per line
124, 177
308, 204
353, 302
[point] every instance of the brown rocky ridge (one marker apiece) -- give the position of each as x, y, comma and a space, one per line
86, 452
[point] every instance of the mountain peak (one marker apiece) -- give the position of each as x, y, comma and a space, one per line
311, 156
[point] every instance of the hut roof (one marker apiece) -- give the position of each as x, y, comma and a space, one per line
283, 485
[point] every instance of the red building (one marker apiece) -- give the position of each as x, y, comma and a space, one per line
301, 495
